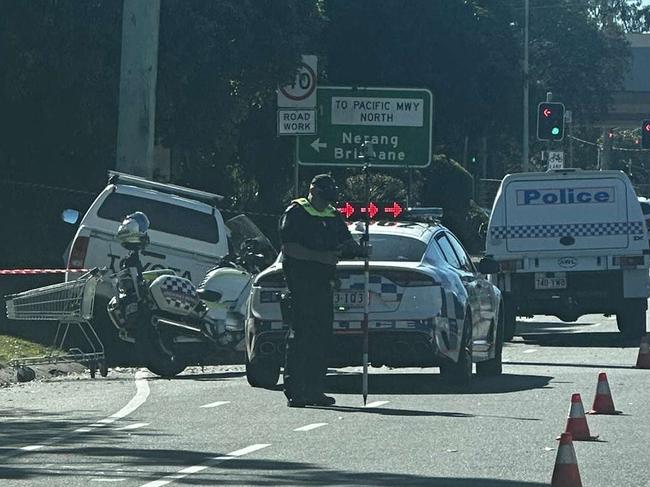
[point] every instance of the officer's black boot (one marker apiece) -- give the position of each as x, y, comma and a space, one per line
320, 400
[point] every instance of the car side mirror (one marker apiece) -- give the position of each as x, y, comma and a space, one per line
70, 216
488, 266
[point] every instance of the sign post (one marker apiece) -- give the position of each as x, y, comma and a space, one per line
397, 121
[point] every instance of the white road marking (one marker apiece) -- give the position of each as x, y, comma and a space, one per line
310, 427
181, 474
32, 447
107, 480
133, 426
530, 350
141, 395
376, 404
215, 404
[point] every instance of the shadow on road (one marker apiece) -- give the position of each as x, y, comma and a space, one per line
533, 336
23, 427
203, 376
237, 472
409, 383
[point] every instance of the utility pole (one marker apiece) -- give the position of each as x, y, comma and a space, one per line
138, 73
525, 157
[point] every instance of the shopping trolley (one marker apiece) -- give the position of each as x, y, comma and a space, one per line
71, 305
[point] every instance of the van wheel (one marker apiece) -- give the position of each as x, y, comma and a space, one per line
262, 373
509, 321
460, 373
493, 366
631, 318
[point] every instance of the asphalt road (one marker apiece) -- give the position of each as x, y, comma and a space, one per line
210, 428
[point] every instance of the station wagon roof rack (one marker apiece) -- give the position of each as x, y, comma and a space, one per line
115, 177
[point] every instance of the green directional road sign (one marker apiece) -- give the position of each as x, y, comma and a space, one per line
396, 120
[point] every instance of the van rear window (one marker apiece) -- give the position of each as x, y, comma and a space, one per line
164, 217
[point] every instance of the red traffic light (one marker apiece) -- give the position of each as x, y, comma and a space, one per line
547, 112
646, 126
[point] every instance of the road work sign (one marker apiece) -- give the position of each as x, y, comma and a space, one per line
296, 122
397, 121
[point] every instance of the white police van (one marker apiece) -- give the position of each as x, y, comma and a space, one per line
187, 233
569, 243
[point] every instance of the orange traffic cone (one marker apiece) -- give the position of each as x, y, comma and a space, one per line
566, 473
643, 359
577, 422
603, 402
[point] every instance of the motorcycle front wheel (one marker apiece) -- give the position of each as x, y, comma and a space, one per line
158, 358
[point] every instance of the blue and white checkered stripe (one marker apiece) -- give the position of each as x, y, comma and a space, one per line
573, 229
378, 284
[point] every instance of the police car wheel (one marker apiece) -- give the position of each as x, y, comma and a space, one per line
631, 318
262, 373
460, 373
493, 366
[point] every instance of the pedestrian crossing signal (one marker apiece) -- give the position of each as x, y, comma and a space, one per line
645, 134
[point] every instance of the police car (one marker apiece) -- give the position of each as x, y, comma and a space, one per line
569, 243
429, 307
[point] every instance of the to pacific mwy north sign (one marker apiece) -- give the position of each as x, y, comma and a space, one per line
396, 120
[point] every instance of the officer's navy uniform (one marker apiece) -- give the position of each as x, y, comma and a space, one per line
309, 341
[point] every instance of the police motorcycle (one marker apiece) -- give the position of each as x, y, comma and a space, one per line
172, 323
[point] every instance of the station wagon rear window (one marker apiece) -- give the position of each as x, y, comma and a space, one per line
164, 217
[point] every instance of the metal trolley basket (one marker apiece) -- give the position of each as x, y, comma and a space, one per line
71, 304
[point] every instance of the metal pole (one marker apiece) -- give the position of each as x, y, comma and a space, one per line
366, 287
525, 152
138, 76
296, 172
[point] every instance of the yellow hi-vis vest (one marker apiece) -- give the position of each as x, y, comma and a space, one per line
329, 212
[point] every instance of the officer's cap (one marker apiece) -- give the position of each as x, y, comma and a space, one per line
323, 181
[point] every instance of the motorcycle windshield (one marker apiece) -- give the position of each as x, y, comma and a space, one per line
242, 229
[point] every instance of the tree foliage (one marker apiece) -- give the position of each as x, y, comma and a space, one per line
221, 60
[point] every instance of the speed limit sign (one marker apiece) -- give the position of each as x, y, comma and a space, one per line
302, 92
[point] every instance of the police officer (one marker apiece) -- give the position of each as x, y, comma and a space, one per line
314, 236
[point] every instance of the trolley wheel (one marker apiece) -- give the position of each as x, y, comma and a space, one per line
103, 368
92, 366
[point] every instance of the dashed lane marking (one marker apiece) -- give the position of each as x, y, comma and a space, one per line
141, 395
212, 462
215, 404
133, 426
310, 427
31, 448
376, 404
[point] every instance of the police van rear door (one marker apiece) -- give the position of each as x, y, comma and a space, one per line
566, 212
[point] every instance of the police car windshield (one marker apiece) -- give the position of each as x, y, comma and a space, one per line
395, 248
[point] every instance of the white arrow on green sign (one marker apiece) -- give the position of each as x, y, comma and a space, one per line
396, 120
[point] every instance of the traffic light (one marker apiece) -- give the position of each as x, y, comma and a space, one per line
550, 121
645, 134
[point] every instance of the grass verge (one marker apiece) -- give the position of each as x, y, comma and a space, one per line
13, 347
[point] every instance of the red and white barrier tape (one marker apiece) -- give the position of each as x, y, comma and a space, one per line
24, 272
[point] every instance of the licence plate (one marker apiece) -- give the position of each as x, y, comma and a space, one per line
556, 282
349, 299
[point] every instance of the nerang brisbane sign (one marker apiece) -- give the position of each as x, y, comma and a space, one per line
396, 120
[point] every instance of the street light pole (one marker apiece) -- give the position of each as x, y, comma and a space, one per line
525, 151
